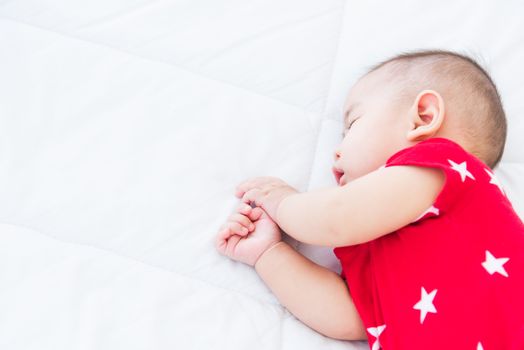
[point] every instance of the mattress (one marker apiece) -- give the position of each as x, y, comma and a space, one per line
126, 125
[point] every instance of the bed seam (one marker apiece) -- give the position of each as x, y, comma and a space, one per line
158, 61
323, 114
130, 258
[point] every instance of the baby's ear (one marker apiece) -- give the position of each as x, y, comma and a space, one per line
426, 115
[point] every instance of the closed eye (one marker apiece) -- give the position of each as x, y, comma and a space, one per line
349, 127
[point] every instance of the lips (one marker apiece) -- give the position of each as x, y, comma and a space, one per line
338, 175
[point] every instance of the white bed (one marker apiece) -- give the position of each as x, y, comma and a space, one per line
126, 124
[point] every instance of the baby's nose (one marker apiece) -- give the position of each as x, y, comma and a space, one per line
336, 155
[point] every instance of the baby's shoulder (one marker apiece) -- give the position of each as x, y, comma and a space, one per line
464, 173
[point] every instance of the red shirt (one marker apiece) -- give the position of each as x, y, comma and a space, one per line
452, 279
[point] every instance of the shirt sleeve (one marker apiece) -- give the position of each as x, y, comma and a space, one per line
448, 156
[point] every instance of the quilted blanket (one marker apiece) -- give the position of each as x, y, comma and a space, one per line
125, 126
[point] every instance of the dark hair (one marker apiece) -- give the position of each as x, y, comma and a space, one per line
470, 85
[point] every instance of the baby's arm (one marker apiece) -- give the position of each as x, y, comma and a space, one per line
362, 210
314, 294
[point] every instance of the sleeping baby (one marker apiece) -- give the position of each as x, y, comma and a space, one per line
431, 249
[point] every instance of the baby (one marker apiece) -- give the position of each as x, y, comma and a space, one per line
431, 249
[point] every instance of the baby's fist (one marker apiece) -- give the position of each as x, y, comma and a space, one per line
247, 234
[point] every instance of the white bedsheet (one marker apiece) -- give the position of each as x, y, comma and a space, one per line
126, 125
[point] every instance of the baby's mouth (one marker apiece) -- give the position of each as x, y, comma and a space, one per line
338, 175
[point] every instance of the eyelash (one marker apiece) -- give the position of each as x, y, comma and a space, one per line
349, 127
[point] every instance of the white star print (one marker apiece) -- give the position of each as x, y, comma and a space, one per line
425, 304
431, 209
493, 264
376, 331
461, 169
495, 181
480, 347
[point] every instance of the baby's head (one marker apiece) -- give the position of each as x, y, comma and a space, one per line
415, 96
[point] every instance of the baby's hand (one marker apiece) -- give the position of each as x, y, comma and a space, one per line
247, 234
266, 192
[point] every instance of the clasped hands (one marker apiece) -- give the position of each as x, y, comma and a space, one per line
251, 231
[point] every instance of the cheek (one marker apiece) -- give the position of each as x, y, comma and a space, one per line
364, 156
355, 159
366, 160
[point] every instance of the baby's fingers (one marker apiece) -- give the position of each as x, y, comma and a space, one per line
221, 240
224, 241
235, 228
255, 214
242, 220
244, 208
231, 244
